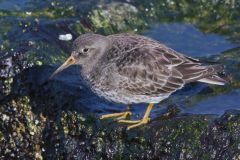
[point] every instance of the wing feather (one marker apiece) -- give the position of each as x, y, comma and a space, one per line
146, 71
146, 67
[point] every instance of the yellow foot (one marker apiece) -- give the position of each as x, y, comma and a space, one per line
122, 115
135, 123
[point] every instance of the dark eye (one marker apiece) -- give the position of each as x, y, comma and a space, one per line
85, 50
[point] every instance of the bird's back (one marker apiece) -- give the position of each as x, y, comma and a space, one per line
139, 48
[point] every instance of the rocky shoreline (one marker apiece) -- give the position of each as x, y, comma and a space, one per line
55, 129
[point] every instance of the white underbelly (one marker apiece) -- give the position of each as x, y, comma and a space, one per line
129, 99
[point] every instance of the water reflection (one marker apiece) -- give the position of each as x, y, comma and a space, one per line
189, 40
13, 4
215, 105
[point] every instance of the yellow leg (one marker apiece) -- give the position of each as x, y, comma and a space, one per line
122, 115
137, 123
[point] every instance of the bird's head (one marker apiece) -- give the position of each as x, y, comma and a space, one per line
87, 48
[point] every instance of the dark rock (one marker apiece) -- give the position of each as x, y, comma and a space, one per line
52, 120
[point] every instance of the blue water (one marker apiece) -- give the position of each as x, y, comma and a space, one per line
13, 4
187, 39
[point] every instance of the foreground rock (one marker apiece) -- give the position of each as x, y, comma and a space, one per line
46, 120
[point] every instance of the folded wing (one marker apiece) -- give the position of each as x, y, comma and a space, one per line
155, 70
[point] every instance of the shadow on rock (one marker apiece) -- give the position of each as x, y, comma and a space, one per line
47, 101
56, 119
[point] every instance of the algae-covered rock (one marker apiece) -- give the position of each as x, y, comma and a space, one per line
21, 130
115, 17
64, 126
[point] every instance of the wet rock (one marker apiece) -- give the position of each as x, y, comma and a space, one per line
61, 124
116, 16
19, 136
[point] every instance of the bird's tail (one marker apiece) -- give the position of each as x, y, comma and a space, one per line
215, 78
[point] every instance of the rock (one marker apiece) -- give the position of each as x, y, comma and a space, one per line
116, 16
68, 128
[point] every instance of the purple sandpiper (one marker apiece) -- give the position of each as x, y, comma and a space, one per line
130, 69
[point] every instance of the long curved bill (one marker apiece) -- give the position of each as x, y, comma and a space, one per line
70, 61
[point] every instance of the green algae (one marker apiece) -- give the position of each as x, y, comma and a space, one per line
20, 132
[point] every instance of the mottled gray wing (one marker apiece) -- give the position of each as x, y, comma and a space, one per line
193, 70
147, 67
148, 70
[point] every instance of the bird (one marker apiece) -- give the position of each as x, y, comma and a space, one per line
131, 69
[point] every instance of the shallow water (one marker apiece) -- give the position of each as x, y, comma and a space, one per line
31, 29
188, 39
